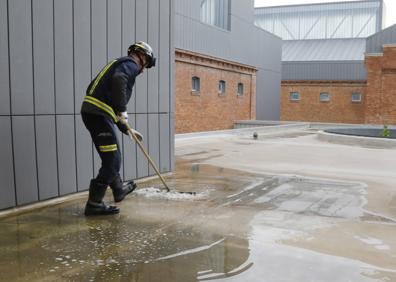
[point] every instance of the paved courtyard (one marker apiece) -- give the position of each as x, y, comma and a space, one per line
284, 207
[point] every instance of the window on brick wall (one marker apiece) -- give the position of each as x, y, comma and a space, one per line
356, 97
240, 89
196, 84
294, 96
222, 87
324, 97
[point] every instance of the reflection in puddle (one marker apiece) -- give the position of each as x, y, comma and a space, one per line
234, 232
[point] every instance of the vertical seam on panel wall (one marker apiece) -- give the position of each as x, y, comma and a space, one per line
147, 86
107, 31
34, 100
74, 99
170, 82
158, 85
91, 32
136, 147
56, 116
122, 47
9, 86
135, 83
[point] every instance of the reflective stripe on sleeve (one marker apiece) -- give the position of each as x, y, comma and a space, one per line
108, 148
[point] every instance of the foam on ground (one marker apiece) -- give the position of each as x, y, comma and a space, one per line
152, 192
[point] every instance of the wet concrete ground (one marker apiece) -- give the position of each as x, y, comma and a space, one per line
281, 208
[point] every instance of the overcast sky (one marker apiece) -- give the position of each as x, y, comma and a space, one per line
390, 17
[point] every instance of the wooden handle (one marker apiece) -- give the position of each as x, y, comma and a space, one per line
133, 136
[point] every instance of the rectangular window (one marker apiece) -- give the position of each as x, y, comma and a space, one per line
356, 97
240, 89
196, 84
216, 12
324, 97
222, 87
294, 96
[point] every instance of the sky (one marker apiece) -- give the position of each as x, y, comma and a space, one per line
390, 17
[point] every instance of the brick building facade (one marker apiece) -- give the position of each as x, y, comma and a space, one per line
378, 95
210, 106
381, 86
339, 108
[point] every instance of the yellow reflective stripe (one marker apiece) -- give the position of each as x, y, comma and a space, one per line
101, 105
108, 148
99, 77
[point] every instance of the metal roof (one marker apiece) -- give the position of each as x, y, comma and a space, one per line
357, 19
316, 6
324, 50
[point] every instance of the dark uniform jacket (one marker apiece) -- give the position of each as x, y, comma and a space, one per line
111, 90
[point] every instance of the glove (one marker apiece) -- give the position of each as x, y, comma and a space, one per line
122, 122
122, 125
123, 117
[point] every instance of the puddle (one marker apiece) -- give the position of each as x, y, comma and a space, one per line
236, 228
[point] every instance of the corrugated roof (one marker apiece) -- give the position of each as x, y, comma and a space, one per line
324, 50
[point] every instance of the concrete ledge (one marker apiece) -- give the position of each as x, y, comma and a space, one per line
374, 54
257, 123
375, 132
356, 140
244, 131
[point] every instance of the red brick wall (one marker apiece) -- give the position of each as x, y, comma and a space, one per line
379, 95
207, 110
381, 87
340, 108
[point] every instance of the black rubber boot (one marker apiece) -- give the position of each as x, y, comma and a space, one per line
95, 205
120, 189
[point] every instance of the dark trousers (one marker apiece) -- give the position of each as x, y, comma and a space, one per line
103, 134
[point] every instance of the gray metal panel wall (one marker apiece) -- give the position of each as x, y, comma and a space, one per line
46, 157
64, 56
7, 191
324, 70
66, 146
4, 61
49, 52
43, 56
387, 36
25, 163
21, 59
244, 43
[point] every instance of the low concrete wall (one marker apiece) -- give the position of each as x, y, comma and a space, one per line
365, 132
356, 140
260, 123
268, 129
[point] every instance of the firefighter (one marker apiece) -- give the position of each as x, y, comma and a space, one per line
104, 106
